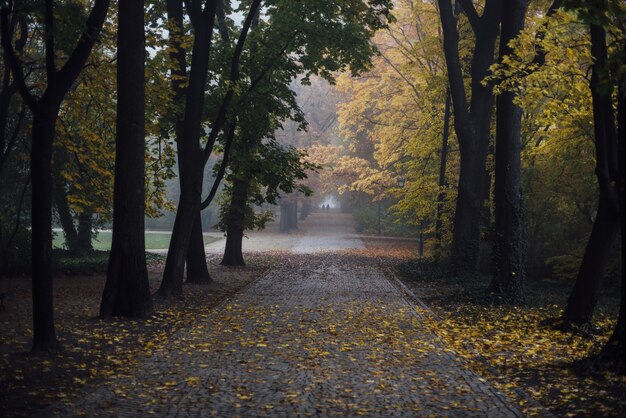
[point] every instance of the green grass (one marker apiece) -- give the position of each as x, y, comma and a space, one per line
154, 240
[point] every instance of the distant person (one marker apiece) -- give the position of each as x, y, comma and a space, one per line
327, 208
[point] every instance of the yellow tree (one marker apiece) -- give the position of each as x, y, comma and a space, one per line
399, 107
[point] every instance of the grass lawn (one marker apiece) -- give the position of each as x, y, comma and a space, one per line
154, 240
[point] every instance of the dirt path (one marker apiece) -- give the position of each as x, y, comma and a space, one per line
324, 334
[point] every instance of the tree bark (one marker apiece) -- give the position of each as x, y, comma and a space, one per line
442, 183
509, 268
615, 349
203, 22
66, 218
85, 225
472, 123
197, 269
127, 290
44, 119
189, 152
233, 255
582, 301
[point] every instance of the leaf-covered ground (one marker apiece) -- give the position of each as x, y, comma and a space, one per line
94, 350
516, 348
323, 333
510, 347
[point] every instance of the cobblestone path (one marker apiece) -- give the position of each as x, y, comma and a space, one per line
323, 334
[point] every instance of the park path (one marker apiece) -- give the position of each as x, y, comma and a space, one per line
325, 333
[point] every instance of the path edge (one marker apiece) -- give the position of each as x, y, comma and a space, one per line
413, 300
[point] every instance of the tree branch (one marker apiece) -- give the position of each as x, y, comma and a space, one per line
49, 40
234, 78
453, 62
223, 166
221, 22
471, 13
12, 59
73, 66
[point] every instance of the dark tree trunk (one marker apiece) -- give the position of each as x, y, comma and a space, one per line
189, 152
615, 349
85, 225
509, 271
472, 123
442, 183
197, 269
127, 290
66, 218
191, 172
465, 251
288, 220
233, 255
44, 336
582, 301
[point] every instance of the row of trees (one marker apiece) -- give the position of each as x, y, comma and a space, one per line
192, 80
528, 90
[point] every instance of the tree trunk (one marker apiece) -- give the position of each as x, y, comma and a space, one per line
509, 269
465, 252
305, 211
472, 123
127, 290
442, 183
189, 154
582, 301
66, 218
197, 270
85, 225
615, 349
287, 218
44, 336
233, 255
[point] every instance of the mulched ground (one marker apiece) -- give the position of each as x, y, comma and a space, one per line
516, 348
93, 349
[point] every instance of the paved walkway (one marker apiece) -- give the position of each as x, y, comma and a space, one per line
324, 334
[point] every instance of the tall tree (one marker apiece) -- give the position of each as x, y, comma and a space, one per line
45, 110
442, 182
583, 299
472, 121
127, 291
509, 268
615, 348
197, 271
191, 172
